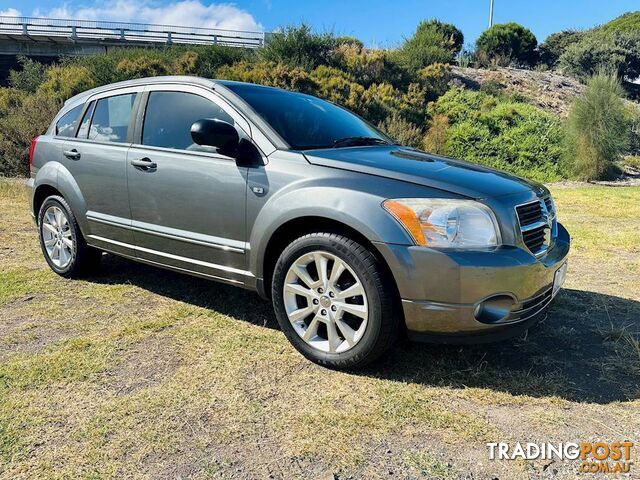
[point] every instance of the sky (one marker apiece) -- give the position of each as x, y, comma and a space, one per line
378, 23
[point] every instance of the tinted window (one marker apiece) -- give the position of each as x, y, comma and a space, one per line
304, 121
169, 116
83, 131
111, 118
66, 126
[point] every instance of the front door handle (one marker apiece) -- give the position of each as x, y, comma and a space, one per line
72, 154
144, 163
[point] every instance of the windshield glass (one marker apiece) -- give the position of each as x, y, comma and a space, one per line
306, 122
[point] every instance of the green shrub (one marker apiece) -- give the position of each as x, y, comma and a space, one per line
366, 65
435, 78
435, 140
402, 131
512, 136
197, 60
507, 43
627, 22
63, 82
597, 130
141, 67
270, 74
299, 46
30, 76
556, 44
597, 51
433, 42
25, 117
337, 86
348, 40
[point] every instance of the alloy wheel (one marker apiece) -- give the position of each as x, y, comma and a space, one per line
325, 302
57, 236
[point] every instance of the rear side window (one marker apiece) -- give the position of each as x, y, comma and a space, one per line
110, 121
169, 116
66, 126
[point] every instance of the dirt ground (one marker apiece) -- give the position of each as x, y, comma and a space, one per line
137, 372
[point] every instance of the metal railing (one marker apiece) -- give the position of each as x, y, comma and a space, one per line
88, 31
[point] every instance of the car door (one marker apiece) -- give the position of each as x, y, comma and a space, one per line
187, 201
97, 160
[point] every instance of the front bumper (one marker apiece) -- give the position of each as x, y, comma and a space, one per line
442, 290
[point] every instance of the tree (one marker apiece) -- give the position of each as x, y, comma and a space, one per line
433, 42
507, 43
556, 44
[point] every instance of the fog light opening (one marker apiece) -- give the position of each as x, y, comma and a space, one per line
494, 309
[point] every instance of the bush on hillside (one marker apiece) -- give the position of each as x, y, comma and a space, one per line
598, 129
125, 63
30, 76
556, 44
22, 117
596, 51
505, 44
627, 22
270, 74
512, 136
435, 141
433, 42
63, 82
402, 131
299, 47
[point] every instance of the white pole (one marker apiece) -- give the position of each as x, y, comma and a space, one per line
491, 14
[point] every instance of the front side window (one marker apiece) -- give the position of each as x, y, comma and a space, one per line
307, 122
110, 121
66, 126
169, 116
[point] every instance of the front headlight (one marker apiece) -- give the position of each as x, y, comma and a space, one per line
446, 223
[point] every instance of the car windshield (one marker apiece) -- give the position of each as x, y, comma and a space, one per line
306, 122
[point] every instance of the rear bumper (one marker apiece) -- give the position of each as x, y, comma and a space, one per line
462, 296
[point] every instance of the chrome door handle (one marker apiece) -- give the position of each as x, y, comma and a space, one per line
72, 154
144, 163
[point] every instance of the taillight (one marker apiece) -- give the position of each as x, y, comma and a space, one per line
32, 150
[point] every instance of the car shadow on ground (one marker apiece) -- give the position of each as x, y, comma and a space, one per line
585, 350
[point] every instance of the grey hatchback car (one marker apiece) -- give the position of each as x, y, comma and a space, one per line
355, 239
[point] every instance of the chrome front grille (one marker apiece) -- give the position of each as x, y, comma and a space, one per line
537, 224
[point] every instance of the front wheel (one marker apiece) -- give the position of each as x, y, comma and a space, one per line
333, 301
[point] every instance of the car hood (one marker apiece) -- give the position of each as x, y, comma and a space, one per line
409, 165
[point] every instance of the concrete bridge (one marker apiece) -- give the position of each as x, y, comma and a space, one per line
49, 37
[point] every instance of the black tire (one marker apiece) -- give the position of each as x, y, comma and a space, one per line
383, 324
84, 259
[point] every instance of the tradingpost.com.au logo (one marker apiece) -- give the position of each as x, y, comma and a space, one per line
594, 457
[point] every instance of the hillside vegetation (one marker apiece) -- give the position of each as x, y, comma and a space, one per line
411, 92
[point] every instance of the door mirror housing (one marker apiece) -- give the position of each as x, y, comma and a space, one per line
216, 133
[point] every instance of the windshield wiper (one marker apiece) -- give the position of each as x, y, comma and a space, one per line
357, 141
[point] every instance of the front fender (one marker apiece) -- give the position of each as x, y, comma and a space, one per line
357, 209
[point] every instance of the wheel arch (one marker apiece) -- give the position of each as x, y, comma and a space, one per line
40, 193
297, 227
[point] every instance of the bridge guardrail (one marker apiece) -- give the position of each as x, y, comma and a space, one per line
126, 33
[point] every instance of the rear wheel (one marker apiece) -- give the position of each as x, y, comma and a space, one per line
62, 243
333, 301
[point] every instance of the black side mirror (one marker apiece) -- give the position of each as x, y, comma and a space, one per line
216, 133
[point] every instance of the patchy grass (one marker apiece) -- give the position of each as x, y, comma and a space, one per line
143, 373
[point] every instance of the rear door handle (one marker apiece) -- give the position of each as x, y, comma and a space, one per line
72, 154
144, 163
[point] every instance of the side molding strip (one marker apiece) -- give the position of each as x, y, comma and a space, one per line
175, 257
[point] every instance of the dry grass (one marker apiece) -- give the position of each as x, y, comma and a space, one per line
142, 373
